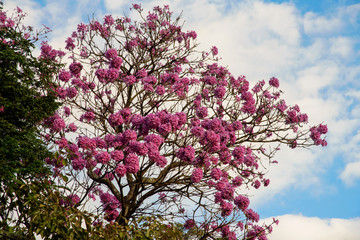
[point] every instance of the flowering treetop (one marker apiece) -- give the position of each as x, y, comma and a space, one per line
146, 115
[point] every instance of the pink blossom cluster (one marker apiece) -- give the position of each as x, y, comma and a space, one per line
197, 175
189, 223
55, 123
47, 52
316, 133
274, 82
295, 116
110, 206
70, 200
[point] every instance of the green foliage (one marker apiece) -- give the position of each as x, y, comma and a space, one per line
24, 80
25, 100
38, 203
144, 228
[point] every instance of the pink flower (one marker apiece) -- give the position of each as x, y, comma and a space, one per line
58, 125
147, 79
88, 116
112, 74
100, 143
128, 135
70, 44
242, 202
238, 153
67, 111
62, 143
160, 90
225, 231
192, 34
186, 154
120, 170
220, 92
71, 92
108, 20
75, 68
138, 148
102, 157
197, 175
136, 6
201, 112
152, 121
266, 182
282, 106
101, 74
189, 223
116, 119
225, 157
74, 199
274, 82
214, 50
64, 76
216, 173
143, 73
160, 161
111, 53
322, 129
226, 208
251, 215
197, 131
164, 129
116, 63
148, 87
78, 163
72, 127
130, 80
257, 184
155, 139
227, 192
237, 181
117, 155
110, 203
132, 163
126, 114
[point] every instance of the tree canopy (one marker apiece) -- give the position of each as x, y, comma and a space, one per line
153, 127
25, 100
153, 138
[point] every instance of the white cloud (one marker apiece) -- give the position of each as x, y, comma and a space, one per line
114, 5
320, 25
312, 79
351, 13
298, 227
341, 47
351, 173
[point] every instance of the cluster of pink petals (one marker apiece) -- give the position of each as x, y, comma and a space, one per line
55, 123
110, 206
316, 132
197, 175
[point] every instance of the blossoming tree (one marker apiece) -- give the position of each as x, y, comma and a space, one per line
151, 126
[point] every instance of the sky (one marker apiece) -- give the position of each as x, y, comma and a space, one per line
313, 47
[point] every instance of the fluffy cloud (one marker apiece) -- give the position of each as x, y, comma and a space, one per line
314, 24
351, 173
115, 5
297, 227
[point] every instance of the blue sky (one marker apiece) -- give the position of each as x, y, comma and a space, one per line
313, 47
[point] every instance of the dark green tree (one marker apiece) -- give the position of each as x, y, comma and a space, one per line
25, 100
